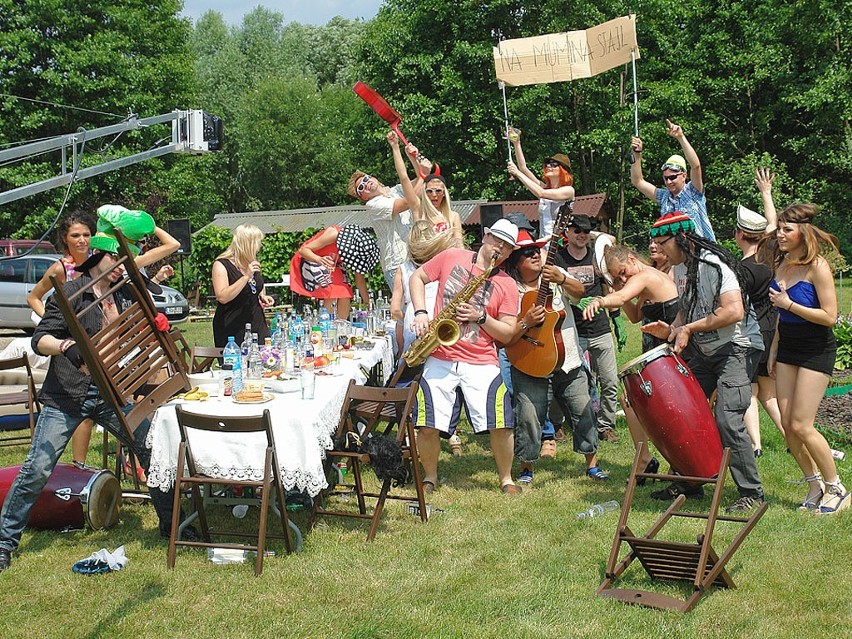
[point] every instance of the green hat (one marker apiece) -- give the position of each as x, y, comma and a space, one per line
675, 163
134, 225
672, 223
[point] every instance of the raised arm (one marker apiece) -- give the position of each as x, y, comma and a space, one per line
689, 154
168, 245
561, 194
763, 181
411, 197
636, 178
515, 138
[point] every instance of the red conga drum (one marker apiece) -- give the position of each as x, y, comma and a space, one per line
673, 410
73, 498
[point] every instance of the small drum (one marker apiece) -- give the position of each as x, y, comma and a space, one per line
73, 498
673, 410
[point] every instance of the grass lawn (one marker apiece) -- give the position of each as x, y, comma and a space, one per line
488, 566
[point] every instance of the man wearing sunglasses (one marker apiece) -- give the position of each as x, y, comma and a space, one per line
389, 213
595, 337
684, 189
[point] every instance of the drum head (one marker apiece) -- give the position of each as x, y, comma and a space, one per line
101, 500
637, 364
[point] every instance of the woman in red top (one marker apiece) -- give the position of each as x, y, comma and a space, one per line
322, 266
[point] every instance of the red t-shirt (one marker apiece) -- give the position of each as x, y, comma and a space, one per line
498, 295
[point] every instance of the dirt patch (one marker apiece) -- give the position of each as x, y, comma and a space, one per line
835, 411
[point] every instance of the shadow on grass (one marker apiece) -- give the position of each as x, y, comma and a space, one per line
106, 627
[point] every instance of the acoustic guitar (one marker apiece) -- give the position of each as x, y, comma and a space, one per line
540, 350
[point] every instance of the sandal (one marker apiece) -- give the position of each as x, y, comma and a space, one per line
813, 498
512, 489
596, 473
128, 471
548, 449
836, 498
428, 487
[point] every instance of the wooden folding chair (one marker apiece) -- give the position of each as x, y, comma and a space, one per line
365, 409
201, 485
26, 406
678, 561
126, 354
202, 357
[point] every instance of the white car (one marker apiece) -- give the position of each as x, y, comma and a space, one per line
19, 276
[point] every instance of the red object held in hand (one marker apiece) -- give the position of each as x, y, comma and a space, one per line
378, 104
161, 322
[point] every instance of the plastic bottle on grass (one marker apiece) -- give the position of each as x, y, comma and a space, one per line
599, 509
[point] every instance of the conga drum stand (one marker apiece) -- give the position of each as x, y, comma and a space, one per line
674, 560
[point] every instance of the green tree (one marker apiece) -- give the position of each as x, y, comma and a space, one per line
103, 60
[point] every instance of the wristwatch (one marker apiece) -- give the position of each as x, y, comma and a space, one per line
482, 318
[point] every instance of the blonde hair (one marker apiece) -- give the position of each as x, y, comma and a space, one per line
429, 212
424, 242
245, 245
618, 254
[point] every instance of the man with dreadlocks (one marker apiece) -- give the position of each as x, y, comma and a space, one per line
716, 319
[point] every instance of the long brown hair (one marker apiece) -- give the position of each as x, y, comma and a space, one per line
802, 214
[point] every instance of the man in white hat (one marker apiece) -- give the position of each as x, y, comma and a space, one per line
751, 227
680, 194
470, 364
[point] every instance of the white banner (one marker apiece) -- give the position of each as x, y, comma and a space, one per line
561, 57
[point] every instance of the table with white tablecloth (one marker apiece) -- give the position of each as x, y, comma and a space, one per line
302, 429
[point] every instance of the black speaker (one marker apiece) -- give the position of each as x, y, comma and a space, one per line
181, 230
489, 213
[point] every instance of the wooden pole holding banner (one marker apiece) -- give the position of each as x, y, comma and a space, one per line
502, 86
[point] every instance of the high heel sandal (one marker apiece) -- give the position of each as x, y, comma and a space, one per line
812, 501
651, 467
835, 498
128, 471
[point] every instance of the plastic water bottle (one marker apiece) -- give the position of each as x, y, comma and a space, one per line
232, 357
324, 321
599, 509
273, 327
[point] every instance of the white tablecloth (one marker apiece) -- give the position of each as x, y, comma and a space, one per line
302, 429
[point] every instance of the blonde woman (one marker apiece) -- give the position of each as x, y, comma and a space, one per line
803, 351
431, 202
239, 288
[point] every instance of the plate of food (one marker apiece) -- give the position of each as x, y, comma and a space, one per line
252, 397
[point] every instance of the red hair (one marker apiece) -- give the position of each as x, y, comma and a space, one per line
565, 178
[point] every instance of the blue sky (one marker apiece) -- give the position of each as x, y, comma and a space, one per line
304, 11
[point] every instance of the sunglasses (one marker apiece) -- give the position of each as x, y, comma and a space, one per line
253, 285
672, 178
579, 230
531, 251
552, 164
659, 243
435, 191
362, 184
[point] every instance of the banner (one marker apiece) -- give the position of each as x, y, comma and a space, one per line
562, 57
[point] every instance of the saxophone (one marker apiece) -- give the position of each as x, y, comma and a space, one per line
443, 329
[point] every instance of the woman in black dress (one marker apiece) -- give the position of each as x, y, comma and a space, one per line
239, 288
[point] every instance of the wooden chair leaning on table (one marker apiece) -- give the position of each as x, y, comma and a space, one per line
270, 485
19, 408
202, 357
365, 409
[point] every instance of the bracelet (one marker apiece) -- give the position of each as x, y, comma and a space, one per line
421, 311
64, 345
564, 279
524, 325
791, 305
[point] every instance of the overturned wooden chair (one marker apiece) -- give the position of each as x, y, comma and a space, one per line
19, 406
697, 562
127, 353
375, 412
